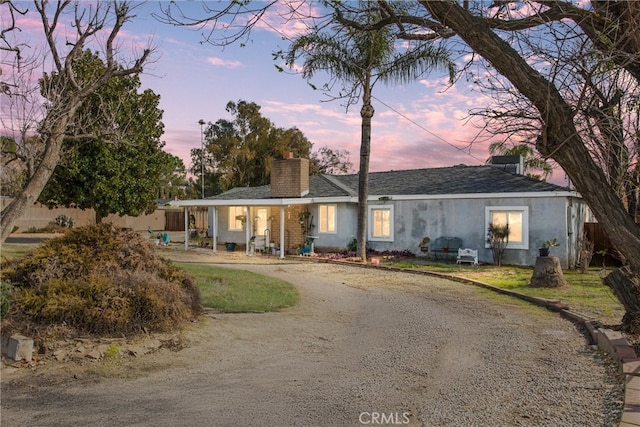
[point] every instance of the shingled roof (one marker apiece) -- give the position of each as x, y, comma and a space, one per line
450, 180
434, 181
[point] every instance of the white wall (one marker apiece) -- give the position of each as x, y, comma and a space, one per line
549, 218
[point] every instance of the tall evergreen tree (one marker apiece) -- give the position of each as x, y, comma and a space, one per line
239, 152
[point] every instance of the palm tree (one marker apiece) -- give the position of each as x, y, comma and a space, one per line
359, 60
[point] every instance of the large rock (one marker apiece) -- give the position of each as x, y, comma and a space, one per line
18, 347
547, 273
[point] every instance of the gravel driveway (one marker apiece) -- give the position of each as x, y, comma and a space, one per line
363, 347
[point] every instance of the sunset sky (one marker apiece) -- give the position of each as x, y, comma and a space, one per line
424, 124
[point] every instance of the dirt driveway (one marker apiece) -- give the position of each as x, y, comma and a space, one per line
363, 347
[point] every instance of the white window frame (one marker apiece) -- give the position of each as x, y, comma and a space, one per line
325, 220
524, 210
370, 227
233, 223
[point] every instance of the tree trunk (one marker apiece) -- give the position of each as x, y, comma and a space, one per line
585, 260
547, 273
36, 183
366, 112
626, 286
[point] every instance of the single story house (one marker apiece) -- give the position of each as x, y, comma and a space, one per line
448, 204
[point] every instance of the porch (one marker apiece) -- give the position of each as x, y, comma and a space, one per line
275, 230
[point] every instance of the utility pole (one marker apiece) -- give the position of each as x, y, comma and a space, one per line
201, 123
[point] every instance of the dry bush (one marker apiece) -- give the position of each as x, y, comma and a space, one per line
102, 281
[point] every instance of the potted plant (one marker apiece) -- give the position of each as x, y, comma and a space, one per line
547, 245
424, 244
242, 219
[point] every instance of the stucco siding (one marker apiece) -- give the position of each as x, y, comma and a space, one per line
548, 218
346, 226
226, 235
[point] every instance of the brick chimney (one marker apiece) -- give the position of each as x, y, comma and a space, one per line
290, 177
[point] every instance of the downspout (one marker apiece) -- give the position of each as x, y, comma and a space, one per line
574, 234
281, 232
186, 228
214, 230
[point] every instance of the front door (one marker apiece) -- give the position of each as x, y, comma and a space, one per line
261, 224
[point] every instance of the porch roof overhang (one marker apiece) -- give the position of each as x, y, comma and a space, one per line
262, 202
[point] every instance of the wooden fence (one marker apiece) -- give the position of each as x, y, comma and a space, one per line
596, 234
164, 218
174, 220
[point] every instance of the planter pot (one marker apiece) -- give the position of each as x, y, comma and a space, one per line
424, 248
544, 251
231, 246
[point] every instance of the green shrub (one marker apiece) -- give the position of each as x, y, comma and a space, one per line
352, 246
6, 298
52, 227
64, 221
103, 281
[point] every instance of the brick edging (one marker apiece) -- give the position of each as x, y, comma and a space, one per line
608, 340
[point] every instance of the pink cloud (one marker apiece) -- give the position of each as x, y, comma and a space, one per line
289, 19
219, 62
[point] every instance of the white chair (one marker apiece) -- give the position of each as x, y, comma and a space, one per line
467, 255
260, 243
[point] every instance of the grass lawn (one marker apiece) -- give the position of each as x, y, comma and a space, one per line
237, 291
10, 251
585, 293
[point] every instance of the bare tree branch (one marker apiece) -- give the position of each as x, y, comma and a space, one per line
65, 94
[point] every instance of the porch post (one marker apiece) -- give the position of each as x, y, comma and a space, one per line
186, 228
281, 232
